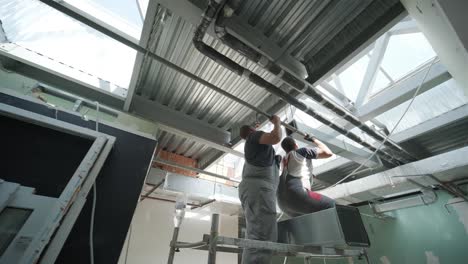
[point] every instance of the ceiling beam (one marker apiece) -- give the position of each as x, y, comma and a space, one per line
372, 69
403, 91
184, 125
397, 94
432, 124
408, 134
405, 27
140, 57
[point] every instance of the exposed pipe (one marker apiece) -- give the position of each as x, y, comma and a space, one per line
167, 200
219, 58
295, 82
212, 244
203, 204
455, 191
253, 77
71, 97
172, 251
190, 245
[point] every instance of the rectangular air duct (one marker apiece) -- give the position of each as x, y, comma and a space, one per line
339, 227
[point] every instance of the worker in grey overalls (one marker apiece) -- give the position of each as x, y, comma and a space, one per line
257, 191
295, 197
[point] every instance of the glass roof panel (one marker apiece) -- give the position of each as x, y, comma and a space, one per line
352, 77
405, 53
123, 15
60, 43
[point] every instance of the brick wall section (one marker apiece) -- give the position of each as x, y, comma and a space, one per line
182, 160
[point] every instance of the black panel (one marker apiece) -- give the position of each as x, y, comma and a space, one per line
39, 157
353, 228
118, 189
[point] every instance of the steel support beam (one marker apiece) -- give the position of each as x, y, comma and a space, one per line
183, 125
432, 124
337, 81
345, 101
398, 93
405, 27
403, 91
372, 69
339, 147
408, 134
145, 36
445, 167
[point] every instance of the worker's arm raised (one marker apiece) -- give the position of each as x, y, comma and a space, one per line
274, 137
323, 151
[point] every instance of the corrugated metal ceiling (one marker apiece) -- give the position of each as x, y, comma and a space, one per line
181, 145
171, 37
292, 25
298, 27
301, 27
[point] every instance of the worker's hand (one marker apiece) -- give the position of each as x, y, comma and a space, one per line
275, 120
309, 137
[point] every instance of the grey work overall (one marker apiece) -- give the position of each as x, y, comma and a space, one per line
257, 193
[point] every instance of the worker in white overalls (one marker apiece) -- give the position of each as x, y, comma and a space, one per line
258, 188
295, 197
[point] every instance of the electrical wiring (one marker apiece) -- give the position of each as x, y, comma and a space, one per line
93, 209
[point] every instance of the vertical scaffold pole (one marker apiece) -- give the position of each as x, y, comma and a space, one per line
213, 239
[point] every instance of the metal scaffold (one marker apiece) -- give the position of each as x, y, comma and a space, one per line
214, 243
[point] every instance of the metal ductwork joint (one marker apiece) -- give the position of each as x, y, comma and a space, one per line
209, 15
295, 82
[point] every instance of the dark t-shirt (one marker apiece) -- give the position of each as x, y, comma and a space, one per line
257, 154
308, 153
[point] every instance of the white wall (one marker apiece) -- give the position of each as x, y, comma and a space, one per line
152, 229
